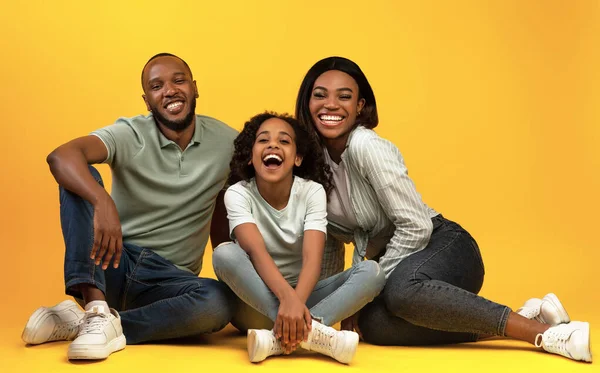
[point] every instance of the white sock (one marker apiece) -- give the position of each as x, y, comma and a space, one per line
98, 303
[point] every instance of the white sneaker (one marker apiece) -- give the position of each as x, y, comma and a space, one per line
340, 345
100, 335
58, 323
547, 310
569, 340
262, 344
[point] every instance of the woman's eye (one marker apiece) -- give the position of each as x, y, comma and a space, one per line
318, 95
345, 97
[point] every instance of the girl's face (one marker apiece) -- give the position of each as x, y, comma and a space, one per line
274, 152
334, 104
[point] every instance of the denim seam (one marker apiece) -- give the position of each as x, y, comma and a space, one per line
84, 280
503, 321
456, 235
130, 278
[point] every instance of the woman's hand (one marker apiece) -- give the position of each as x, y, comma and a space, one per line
351, 324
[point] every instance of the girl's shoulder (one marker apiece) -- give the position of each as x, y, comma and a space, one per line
243, 187
305, 186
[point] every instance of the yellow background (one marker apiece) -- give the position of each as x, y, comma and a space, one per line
494, 105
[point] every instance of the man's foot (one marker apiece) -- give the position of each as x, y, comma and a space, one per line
570, 340
262, 344
547, 310
58, 323
340, 345
100, 335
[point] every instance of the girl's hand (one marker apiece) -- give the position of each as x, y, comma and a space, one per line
293, 323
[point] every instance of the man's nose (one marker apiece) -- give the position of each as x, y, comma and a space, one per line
170, 89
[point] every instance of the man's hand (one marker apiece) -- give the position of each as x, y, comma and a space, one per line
293, 323
351, 324
108, 238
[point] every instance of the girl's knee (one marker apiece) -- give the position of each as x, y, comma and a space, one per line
226, 255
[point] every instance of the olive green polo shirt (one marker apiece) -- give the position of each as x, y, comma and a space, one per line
166, 196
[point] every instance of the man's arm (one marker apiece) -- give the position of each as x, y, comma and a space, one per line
219, 226
69, 166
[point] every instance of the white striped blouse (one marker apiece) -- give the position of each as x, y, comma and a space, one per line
394, 222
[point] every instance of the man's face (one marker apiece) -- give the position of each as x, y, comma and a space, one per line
170, 93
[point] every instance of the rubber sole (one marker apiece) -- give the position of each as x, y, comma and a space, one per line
93, 352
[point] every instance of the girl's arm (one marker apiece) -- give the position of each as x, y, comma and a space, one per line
292, 316
312, 255
313, 244
382, 164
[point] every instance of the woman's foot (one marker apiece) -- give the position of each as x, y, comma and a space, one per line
571, 340
548, 310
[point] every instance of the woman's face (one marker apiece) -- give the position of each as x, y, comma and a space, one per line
334, 104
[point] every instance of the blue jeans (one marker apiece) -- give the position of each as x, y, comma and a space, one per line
155, 299
332, 299
431, 296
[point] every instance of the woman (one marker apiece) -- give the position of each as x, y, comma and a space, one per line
433, 266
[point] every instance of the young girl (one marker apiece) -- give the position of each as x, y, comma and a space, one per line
277, 217
433, 266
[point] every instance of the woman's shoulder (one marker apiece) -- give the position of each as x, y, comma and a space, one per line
364, 141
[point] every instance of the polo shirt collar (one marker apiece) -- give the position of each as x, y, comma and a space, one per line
196, 138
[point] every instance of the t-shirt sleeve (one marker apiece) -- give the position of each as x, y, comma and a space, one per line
316, 209
122, 142
239, 207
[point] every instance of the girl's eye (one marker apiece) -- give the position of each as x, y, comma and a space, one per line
285, 141
260, 141
318, 94
345, 97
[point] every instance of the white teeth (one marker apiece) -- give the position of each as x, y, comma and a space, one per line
174, 105
336, 118
272, 156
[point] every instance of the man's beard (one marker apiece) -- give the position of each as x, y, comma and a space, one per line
176, 125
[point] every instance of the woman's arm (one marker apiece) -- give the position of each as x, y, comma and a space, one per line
381, 163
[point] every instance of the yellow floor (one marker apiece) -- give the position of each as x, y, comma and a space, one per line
226, 351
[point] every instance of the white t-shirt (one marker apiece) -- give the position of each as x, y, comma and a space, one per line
339, 208
282, 230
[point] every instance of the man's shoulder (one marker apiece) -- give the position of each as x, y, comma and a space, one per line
216, 126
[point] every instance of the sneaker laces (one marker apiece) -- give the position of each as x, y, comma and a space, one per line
322, 338
276, 347
94, 322
66, 330
554, 340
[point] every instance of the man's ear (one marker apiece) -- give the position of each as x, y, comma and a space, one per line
196, 90
146, 102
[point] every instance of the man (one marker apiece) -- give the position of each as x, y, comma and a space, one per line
133, 258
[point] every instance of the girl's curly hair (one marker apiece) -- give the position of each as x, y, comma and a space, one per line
313, 165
